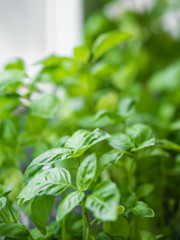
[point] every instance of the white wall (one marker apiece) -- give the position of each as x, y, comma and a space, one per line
31, 29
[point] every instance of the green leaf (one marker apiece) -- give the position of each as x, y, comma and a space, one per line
108, 159
86, 172
142, 209
83, 139
41, 208
15, 64
10, 77
68, 204
45, 107
147, 235
103, 202
49, 182
148, 143
160, 80
139, 133
51, 156
144, 190
120, 228
107, 41
121, 142
2, 202
14, 230
82, 54
126, 107
8, 132
167, 144
102, 236
7, 190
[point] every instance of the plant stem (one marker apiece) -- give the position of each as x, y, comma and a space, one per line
18, 214
93, 221
88, 225
11, 212
63, 229
84, 219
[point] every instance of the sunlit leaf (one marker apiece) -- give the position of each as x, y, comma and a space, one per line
86, 172
68, 204
107, 41
49, 182
104, 201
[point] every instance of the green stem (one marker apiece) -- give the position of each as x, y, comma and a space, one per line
63, 229
18, 214
93, 221
84, 219
11, 212
88, 225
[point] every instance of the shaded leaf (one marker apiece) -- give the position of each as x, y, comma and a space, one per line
119, 228
14, 230
41, 208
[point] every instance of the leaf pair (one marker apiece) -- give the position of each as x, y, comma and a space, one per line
75, 146
102, 202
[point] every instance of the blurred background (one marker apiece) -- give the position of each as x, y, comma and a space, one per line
34, 29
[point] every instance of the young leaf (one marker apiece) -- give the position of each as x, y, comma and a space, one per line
46, 107
7, 190
2, 202
16, 63
121, 141
107, 41
108, 159
145, 144
139, 133
103, 202
81, 54
142, 209
49, 182
126, 106
41, 207
14, 230
86, 172
70, 202
83, 139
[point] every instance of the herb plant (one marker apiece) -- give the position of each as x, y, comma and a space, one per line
97, 155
